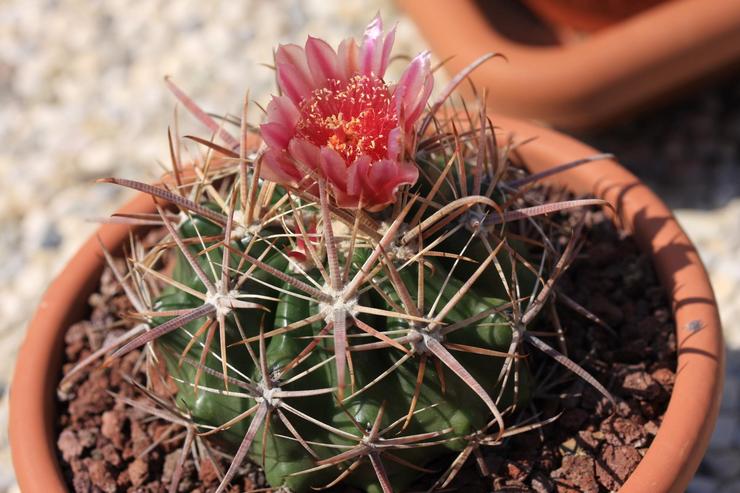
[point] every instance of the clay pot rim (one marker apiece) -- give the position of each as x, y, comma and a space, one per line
670, 461
569, 13
594, 81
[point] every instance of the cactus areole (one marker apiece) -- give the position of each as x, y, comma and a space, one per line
350, 302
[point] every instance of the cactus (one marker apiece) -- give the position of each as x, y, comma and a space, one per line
351, 311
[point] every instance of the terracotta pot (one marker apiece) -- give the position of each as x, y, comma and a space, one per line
669, 463
578, 82
588, 15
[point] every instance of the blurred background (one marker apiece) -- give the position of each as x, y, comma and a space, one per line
82, 97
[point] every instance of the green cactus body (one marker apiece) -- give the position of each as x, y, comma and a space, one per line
455, 408
349, 302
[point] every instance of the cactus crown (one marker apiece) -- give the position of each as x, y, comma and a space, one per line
328, 333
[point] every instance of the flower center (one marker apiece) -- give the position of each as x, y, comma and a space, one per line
354, 117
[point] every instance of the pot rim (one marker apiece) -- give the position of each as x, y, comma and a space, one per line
585, 82
588, 17
670, 461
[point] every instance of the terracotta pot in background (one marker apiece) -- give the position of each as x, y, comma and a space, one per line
668, 464
582, 82
588, 15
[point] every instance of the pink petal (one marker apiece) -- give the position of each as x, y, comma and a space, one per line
282, 110
292, 54
276, 135
371, 50
383, 179
305, 153
414, 87
415, 109
277, 167
408, 173
294, 76
395, 143
334, 168
344, 199
292, 84
347, 55
354, 171
386, 55
322, 61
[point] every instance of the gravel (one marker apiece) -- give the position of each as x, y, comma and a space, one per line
81, 96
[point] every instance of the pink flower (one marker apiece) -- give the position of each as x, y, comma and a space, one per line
338, 118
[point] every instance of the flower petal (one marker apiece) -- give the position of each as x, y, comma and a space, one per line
292, 84
386, 54
348, 55
277, 167
322, 61
354, 180
371, 50
294, 76
344, 199
276, 135
334, 168
395, 143
382, 180
414, 87
282, 110
305, 153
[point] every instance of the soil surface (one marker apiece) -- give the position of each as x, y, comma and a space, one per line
111, 439
593, 446
108, 445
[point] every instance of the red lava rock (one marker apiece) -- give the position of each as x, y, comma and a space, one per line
208, 473
69, 445
622, 431
542, 484
170, 463
139, 438
642, 384
587, 438
651, 428
81, 481
616, 465
110, 454
123, 478
577, 474
515, 471
75, 339
88, 436
548, 458
138, 471
112, 424
160, 431
665, 377
101, 476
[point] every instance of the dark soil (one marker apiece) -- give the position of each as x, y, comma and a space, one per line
109, 446
593, 447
